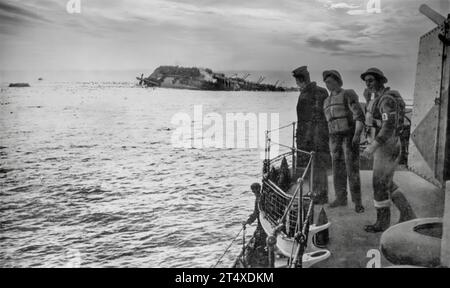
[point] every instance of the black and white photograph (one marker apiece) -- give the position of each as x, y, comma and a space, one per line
224, 135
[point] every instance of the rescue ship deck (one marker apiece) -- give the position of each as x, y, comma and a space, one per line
349, 243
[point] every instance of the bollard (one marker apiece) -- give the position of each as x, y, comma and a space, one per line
271, 242
322, 238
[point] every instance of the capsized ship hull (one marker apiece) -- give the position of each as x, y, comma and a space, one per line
194, 78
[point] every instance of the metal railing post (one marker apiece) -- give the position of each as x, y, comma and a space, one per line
294, 164
311, 175
271, 242
301, 205
268, 148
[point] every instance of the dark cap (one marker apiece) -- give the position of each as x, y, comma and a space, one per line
333, 73
377, 73
301, 72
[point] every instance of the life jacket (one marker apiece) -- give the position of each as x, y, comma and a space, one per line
337, 113
374, 118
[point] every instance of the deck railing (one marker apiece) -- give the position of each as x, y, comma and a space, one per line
279, 205
289, 213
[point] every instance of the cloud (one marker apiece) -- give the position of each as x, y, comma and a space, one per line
343, 6
338, 47
357, 12
349, 8
14, 18
327, 44
9, 10
365, 54
353, 30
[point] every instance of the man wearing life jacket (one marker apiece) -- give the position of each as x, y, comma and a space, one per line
345, 124
384, 120
312, 132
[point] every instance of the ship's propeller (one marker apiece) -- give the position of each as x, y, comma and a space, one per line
141, 80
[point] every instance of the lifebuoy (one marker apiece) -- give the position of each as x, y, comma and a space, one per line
416, 242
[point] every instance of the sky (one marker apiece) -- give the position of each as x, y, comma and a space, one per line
219, 34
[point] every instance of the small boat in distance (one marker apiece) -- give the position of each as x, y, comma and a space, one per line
19, 85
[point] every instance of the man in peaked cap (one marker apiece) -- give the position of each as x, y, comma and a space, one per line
345, 123
384, 118
302, 73
312, 131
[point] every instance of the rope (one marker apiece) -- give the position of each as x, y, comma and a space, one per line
280, 128
228, 248
279, 157
289, 147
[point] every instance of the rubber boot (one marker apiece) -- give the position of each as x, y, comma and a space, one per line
383, 221
402, 204
359, 208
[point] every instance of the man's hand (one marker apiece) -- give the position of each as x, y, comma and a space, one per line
244, 224
368, 152
356, 141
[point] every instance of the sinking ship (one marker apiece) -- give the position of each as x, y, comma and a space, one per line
287, 212
194, 78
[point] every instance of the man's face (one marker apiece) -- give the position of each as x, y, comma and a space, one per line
301, 83
371, 83
332, 84
256, 192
